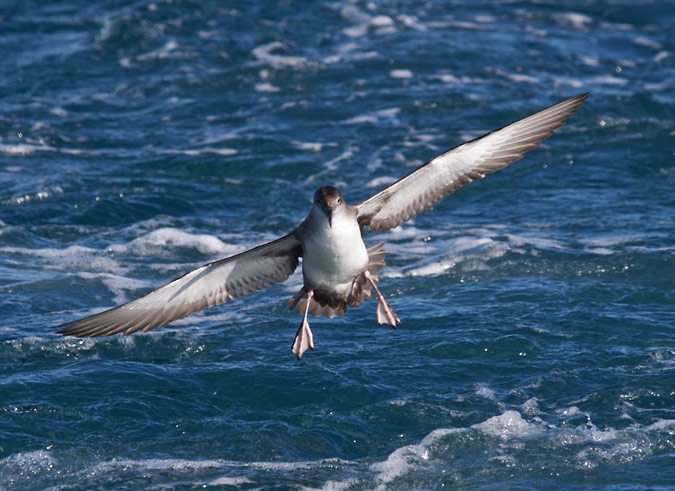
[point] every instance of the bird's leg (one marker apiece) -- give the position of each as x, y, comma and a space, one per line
385, 314
303, 338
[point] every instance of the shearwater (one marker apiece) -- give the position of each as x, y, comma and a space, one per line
337, 268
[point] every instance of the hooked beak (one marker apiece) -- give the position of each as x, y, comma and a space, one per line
328, 211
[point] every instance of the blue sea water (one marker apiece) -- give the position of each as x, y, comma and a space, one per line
140, 139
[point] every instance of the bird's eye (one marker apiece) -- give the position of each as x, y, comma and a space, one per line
338, 200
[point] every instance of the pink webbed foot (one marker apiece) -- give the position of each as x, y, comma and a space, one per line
385, 314
303, 338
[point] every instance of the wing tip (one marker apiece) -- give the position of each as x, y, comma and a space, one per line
577, 100
66, 329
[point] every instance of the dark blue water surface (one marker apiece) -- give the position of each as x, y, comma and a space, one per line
139, 139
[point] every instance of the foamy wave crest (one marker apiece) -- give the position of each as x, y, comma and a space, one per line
192, 152
373, 117
502, 446
427, 256
117, 284
364, 22
508, 442
265, 54
40, 195
71, 258
431, 252
20, 468
205, 472
114, 265
171, 238
24, 149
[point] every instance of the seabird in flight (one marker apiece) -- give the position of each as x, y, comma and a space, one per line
337, 268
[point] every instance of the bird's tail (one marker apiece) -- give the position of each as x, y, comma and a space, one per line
361, 288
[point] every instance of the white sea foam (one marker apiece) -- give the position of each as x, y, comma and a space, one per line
186, 465
448, 78
608, 80
438, 256
380, 182
117, 284
335, 485
411, 458
162, 238
40, 195
265, 54
25, 465
308, 146
665, 425
431, 252
228, 481
225, 152
499, 440
613, 244
507, 426
611, 240
158, 464
23, 149
646, 42
486, 392
330, 166
565, 80
510, 430
660, 56
531, 407
520, 78
349, 55
589, 60
400, 73
574, 19
399, 462
364, 22
169, 50
364, 118
266, 87
541, 243
459, 24
109, 267
412, 22
71, 258
373, 117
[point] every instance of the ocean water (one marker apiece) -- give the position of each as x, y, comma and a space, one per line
140, 139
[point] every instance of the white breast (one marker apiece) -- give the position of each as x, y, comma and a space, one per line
333, 256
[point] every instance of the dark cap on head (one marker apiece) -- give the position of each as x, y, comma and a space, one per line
329, 196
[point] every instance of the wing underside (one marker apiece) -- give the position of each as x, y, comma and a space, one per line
209, 285
447, 172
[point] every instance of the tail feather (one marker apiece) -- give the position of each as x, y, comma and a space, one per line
316, 308
376, 261
361, 288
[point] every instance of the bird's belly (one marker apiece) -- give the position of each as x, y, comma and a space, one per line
332, 263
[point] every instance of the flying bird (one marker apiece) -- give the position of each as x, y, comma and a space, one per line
337, 268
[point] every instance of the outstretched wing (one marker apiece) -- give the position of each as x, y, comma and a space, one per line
433, 181
211, 284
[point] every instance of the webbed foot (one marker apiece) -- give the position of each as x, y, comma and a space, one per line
303, 338
385, 314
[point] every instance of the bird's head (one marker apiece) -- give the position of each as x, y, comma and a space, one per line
329, 199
